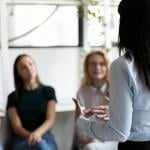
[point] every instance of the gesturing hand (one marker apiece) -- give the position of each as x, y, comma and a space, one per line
79, 110
102, 112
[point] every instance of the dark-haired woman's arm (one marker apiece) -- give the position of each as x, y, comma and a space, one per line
16, 123
47, 124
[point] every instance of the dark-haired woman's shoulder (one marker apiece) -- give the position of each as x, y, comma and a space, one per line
123, 67
122, 62
47, 87
12, 99
12, 95
49, 92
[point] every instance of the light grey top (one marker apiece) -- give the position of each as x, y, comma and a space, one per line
129, 107
90, 96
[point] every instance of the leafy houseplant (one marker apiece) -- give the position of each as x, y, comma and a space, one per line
91, 9
84, 9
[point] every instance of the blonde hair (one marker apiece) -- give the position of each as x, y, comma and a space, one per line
86, 80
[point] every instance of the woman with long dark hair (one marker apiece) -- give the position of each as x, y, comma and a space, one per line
31, 108
129, 79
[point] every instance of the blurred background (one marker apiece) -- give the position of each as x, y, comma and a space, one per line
57, 34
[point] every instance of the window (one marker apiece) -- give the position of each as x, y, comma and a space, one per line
0, 26
42, 25
96, 27
101, 28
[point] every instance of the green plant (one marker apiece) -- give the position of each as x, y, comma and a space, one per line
88, 8
93, 10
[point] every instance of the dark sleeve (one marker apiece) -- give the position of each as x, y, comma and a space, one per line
50, 93
11, 102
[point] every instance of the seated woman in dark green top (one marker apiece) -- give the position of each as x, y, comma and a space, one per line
31, 108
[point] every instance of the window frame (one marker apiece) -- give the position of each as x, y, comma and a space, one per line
60, 3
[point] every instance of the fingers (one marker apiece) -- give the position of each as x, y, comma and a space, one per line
33, 139
79, 110
88, 112
102, 112
98, 111
107, 98
106, 119
103, 117
76, 102
30, 141
101, 107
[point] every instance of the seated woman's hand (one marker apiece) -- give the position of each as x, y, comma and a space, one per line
102, 112
34, 137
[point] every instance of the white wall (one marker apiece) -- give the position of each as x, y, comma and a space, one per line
1, 93
113, 54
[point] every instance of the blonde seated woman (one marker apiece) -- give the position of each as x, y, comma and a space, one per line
92, 94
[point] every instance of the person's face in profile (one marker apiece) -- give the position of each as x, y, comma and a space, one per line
97, 69
27, 69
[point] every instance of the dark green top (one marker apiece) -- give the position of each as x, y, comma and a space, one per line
31, 105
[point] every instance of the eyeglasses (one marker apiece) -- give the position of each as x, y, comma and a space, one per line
94, 64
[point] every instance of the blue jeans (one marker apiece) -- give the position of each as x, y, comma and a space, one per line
1, 147
48, 143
